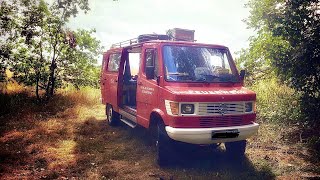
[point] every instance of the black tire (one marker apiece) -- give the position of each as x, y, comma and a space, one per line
164, 145
236, 149
112, 116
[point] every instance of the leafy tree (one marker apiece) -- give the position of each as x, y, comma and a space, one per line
258, 58
10, 23
46, 54
7, 34
71, 7
287, 43
82, 60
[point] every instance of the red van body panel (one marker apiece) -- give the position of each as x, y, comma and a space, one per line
151, 94
147, 91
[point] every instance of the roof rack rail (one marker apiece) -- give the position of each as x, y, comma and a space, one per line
126, 42
141, 38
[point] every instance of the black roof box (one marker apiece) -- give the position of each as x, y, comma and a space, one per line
149, 37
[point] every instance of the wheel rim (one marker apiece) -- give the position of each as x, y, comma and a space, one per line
110, 114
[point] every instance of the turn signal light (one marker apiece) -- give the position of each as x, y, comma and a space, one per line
174, 106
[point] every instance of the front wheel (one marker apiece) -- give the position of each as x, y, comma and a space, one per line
236, 149
112, 116
163, 145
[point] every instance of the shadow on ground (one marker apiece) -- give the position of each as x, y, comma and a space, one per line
28, 131
59, 140
121, 153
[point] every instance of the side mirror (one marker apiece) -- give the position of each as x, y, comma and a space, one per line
150, 72
242, 74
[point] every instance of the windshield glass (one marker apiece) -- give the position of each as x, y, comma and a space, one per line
197, 64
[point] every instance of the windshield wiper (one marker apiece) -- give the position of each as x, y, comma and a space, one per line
228, 79
178, 74
207, 78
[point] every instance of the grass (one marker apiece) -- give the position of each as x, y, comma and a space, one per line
69, 138
276, 102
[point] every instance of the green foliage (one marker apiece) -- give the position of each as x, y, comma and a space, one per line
277, 102
71, 7
287, 47
258, 58
298, 22
81, 69
41, 51
7, 23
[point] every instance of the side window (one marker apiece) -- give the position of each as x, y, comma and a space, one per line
150, 57
152, 60
156, 64
104, 62
134, 61
114, 60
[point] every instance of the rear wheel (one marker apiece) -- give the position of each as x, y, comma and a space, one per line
236, 149
112, 116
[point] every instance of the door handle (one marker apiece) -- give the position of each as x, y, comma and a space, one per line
115, 80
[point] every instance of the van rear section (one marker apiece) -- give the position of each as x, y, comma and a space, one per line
182, 91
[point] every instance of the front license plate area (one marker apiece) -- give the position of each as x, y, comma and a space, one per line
232, 133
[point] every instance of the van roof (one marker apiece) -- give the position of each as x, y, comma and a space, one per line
169, 42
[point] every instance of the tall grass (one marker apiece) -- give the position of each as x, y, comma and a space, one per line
277, 102
281, 106
84, 96
17, 97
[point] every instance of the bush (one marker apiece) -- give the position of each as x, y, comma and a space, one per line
277, 102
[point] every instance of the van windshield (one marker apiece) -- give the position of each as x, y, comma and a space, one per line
197, 64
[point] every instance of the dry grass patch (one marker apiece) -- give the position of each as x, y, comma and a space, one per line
274, 149
63, 153
69, 138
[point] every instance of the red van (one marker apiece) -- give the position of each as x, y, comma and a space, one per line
185, 91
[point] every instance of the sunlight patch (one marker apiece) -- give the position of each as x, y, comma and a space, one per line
63, 154
51, 125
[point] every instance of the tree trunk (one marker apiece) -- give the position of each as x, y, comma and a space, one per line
50, 85
48, 88
37, 87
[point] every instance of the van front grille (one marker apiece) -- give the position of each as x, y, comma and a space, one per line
222, 121
225, 108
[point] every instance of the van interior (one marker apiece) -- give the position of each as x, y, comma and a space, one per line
130, 75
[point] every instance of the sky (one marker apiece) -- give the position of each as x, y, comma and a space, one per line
214, 21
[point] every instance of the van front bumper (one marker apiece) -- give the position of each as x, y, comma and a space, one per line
204, 135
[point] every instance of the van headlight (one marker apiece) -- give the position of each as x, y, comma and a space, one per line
187, 108
249, 106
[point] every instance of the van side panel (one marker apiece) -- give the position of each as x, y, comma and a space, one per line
103, 79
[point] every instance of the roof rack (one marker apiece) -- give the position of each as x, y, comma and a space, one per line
126, 43
141, 38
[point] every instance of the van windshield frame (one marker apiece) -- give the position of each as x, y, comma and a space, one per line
183, 63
